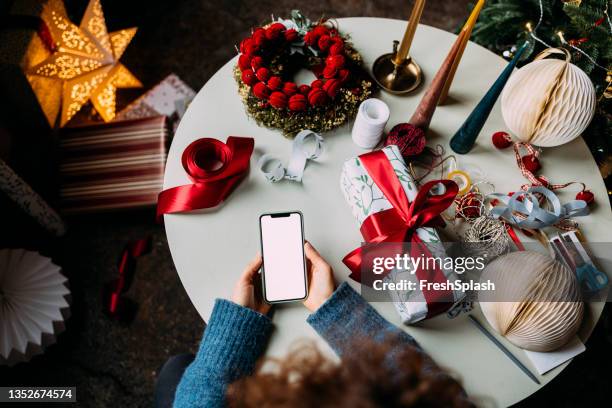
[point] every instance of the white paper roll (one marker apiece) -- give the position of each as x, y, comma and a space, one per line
370, 123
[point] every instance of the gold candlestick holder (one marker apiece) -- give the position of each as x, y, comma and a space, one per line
397, 77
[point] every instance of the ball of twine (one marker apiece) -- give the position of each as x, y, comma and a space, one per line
487, 235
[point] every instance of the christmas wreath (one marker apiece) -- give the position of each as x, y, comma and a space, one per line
271, 56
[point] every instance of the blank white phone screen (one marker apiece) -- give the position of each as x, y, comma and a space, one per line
283, 257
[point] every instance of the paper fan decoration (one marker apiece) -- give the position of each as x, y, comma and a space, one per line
33, 304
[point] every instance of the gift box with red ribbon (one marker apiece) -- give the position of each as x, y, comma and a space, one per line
112, 166
391, 209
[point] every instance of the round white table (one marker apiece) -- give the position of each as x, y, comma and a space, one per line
210, 248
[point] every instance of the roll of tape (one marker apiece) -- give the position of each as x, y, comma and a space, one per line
462, 179
370, 123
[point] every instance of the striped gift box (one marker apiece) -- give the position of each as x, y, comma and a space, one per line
112, 166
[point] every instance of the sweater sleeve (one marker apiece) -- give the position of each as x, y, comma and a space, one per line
346, 317
233, 341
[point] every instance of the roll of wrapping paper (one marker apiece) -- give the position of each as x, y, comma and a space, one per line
22, 194
463, 141
211, 183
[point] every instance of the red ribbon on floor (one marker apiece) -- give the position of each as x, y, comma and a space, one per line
215, 168
399, 224
126, 268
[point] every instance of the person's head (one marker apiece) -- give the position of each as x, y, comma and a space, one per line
374, 375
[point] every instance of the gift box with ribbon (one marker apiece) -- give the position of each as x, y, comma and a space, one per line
112, 166
391, 208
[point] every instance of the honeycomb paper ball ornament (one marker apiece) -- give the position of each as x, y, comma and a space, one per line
548, 102
538, 307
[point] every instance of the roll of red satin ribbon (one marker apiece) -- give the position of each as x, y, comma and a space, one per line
215, 168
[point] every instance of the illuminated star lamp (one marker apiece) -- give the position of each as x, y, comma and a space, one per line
86, 59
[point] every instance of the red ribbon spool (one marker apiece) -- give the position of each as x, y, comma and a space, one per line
399, 224
216, 169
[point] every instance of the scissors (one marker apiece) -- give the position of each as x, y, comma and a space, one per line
588, 275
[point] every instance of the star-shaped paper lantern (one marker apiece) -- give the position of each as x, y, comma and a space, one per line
86, 58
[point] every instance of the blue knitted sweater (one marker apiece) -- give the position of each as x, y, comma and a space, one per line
237, 336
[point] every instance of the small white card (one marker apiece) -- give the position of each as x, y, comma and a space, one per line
544, 362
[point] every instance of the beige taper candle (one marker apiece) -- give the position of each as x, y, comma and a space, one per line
415, 16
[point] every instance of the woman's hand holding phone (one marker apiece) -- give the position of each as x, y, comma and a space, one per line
320, 279
247, 291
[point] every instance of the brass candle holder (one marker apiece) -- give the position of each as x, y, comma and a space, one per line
397, 72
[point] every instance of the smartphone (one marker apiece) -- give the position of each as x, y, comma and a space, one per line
284, 277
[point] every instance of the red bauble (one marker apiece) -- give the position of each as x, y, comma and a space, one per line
586, 195
297, 102
261, 91
336, 49
310, 38
501, 140
317, 97
263, 74
256, 62
290, 88
332, 86
274, 31
278, 100
304, 89
324, 42
409, 139
291, 35
244, 62
275, 83
248, 77
320, 30
531, 163
335, 61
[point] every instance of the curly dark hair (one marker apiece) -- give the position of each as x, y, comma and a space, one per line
388, 374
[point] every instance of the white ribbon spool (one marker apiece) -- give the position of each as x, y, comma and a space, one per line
307, 145
370, 123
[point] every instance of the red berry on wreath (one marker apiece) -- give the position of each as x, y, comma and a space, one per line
256, 62
278, 100
275, 83
310, 38
274, 31
263, 74
317, 97
586, 195
324, 42
244, 62
304, 89
343, 76
297, 102
291, 35
330, 72
336, 49
320, 30
248, 77
335, 61
244, 43
531, 163
332, 86
336, 39
501, 140
317, 83
261, 91
290, 88
259, 37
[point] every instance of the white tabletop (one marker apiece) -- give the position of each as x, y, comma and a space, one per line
210, 248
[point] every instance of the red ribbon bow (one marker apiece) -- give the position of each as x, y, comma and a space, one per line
211, 185
399, 224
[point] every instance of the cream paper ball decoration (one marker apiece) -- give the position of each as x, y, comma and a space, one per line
538, 307
548, 102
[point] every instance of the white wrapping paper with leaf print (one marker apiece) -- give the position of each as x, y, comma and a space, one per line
365, 198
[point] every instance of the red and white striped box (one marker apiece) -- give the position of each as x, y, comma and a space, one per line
112, 166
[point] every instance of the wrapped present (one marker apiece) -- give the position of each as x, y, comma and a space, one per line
31, 100
390, 208
170, 98
111, 166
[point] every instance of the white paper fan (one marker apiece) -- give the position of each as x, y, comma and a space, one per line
33, 304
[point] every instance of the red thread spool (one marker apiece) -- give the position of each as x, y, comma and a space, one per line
408, 138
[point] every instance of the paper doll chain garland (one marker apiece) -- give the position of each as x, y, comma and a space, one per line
273, 53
